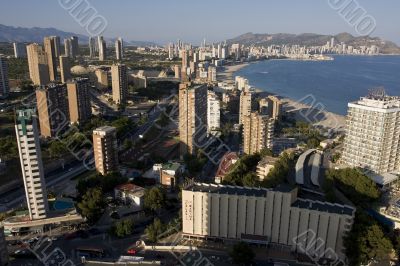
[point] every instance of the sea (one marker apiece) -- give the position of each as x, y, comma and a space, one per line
327, 85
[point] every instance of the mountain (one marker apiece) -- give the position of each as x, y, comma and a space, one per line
311, 39
20, 34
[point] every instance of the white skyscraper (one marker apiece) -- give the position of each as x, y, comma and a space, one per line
373, 133
4, 85
102, 48
19, 50
119, 49
31, 163
213, 113
92, 47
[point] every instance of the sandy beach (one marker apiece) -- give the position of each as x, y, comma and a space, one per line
227, 74
300, 111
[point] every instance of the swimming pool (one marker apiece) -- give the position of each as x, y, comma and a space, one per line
60, 205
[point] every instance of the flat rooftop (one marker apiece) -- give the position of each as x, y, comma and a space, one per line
323, 206
235, 190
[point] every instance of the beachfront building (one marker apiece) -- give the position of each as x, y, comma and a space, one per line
258, 132
271, 106
30, 155
373, 134
266, 216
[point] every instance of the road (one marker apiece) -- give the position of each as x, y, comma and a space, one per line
16, 197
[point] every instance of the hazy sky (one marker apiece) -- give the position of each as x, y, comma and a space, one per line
192, 20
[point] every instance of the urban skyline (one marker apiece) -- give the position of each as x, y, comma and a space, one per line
259, 14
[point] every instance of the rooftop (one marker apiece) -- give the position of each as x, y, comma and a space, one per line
323, 207
106, 129
170, 166
129, 187
235, 190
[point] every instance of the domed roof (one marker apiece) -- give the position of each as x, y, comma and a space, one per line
79, 70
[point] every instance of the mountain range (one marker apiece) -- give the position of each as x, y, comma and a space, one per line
311, 39
36, 34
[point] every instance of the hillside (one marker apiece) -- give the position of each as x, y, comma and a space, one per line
20, 34
311, 39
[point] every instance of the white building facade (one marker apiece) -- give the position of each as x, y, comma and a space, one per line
31, 163
373, 134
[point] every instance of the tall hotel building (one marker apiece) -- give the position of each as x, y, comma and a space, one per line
258, 132
19, 50
102, 48
105, 149
38, 64
119, 83
80, 109
31, 163
52, 49
192, 117
4, 82
266, 216
373, 134
213, 113
52, 106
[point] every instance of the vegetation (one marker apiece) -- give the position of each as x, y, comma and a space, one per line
154, 199
123, 126
280, 172
366, 242
123, 228
336, 157
106, 183
155, 90
358, 187
242, 168
304, 132
92, 204
242, 254
195, 163
17, 68
8, 147
154, 230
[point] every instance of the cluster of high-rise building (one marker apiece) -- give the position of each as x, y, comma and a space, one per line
303, 52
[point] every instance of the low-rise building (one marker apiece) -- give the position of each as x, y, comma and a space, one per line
170, 174
265, 166
130, 194
276, 217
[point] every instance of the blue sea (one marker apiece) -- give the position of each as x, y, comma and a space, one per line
331, 83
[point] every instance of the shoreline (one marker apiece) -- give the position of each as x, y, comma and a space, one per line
298, 110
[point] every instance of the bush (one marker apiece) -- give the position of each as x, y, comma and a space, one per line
123, 228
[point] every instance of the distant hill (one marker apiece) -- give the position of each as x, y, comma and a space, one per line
310, 39
20, 34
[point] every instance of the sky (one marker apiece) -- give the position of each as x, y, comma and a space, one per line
164, 21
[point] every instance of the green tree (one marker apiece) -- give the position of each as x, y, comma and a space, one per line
358, 187
123, 228
8, 147
57, 149
92, 204
154, 198
250, 180
244, 166
154, 230
366, 242
242, 254
279, 173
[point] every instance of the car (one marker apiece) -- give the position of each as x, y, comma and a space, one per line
131, 251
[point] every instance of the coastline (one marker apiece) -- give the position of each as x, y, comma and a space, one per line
298, 110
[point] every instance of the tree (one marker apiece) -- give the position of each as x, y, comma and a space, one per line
366, 242
154, 198
92, 204
358, 187
57, 149
154, 230
123, 228
242, 254
279, 173
244, 166
8, 147
250, 179
266, 152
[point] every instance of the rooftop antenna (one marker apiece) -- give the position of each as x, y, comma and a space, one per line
377, 93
